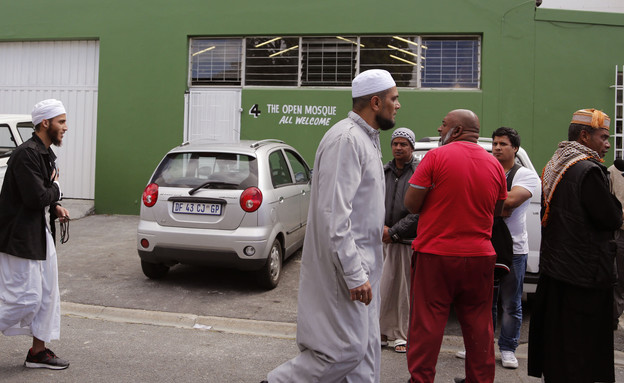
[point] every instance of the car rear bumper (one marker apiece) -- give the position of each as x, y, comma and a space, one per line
171, 257
207, 247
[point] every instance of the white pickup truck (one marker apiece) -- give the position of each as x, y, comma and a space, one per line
12, 128
533, 213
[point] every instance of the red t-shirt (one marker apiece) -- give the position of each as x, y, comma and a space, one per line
464, 182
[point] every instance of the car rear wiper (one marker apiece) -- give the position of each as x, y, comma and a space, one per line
210, 183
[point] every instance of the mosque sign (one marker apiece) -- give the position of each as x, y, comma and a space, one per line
297, 114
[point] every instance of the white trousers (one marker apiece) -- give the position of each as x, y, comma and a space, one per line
395, 291
30, 303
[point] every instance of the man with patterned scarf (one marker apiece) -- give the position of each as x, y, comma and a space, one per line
571, 336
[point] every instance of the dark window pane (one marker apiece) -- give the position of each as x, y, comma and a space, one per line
396, 54
328, 61
271, 61
216, 61
450, 62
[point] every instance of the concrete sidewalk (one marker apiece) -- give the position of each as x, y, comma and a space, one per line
123, 345
106, 344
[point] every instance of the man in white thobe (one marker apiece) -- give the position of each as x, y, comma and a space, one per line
338, 308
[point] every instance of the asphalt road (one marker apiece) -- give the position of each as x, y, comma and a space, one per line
198, 324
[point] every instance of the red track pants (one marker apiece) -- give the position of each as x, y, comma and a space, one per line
436, 283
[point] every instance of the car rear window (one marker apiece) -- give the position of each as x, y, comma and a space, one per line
191, 169
7, 141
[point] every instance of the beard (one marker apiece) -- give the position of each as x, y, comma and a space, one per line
384, 123
54, 138
445, 140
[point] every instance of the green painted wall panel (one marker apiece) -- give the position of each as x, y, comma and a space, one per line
574, 69
534, 74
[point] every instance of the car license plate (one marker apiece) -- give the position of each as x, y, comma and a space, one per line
197, 208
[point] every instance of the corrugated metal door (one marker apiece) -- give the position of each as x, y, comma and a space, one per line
68, 71
213, 114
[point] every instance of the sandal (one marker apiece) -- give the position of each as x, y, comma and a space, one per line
400, 346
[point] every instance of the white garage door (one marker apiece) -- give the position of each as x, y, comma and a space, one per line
68, 71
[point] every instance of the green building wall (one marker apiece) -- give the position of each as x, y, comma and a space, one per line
575, 58
538, 66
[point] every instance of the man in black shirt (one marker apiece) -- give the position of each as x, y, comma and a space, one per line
571, 337
29, 294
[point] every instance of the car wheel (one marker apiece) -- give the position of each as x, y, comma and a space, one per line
269, 275
154, 270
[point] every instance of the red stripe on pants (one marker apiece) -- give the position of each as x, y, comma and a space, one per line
436, 283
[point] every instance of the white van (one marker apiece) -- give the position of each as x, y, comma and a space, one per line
14, 129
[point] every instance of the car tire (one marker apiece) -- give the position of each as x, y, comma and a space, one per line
154, 270
269, 275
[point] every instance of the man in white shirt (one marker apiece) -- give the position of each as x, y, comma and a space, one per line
525, 184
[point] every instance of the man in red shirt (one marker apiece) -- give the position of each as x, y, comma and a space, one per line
457, 189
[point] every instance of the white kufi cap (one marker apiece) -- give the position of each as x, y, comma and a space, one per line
370, 82
47, 109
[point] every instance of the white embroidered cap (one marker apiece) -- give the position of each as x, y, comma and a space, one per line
370, 82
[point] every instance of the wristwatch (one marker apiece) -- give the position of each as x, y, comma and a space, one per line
395, 237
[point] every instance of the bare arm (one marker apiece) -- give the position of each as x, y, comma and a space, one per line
498, 208
516, 197
414, 198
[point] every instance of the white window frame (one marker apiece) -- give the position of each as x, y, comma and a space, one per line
617, 121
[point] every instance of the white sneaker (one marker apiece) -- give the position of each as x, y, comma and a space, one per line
509, 359
461, 354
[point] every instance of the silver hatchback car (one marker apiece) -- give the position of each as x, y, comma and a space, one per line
241, 205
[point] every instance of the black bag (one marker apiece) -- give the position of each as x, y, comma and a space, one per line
503, 245
501, 238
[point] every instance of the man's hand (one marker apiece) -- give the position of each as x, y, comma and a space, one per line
386, 235
62, 213
363, 293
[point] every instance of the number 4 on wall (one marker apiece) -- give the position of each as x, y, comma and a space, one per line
254, 111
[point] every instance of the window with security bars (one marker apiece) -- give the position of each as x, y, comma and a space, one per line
618, 119
216, 61
414, 61
272, 61
328, 61
399, 55
450, 62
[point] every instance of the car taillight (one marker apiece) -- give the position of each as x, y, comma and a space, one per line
251, 199
150, 195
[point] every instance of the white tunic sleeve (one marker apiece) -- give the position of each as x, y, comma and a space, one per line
338, 190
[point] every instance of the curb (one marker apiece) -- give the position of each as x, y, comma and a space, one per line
282, 330
179, 320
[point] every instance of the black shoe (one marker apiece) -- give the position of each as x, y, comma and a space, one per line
459, 380
45, 359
